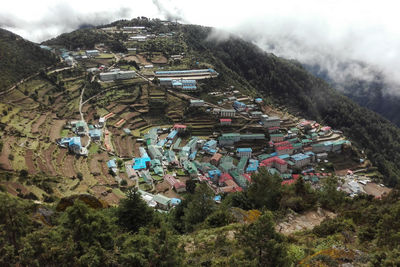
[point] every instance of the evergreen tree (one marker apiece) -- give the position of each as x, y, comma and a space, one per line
133, 212
262, 245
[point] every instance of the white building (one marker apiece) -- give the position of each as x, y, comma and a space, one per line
92, 53
138, 38
70, 61
270, 121
117, 75
107, 76
227, 113
196, 103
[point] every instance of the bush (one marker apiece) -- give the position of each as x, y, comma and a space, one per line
332, 226
11, 157
23, 174
219, 218
124, 183
79, 175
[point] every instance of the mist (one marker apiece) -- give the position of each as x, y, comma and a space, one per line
347, 39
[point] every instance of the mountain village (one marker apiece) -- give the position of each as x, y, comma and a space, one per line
227, 137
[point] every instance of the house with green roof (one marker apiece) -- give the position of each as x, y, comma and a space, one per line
157, 167
228, 139
242, 164
163, 202
190, 168
239, 179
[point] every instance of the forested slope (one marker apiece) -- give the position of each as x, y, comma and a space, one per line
288, 83
19, 58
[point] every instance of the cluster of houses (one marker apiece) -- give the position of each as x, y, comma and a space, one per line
227, 163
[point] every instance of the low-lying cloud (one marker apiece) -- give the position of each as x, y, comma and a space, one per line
346, 38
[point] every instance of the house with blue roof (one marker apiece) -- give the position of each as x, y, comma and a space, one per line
311, 155
300, 160
284, 156
210, 147
252, 166
95, 134
192, 155
172, 135
112, 165
140, 163
162, 142
244, 152
214, 174
239, 106
74, 144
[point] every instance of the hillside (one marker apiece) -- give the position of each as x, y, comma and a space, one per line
373, 92
288, 84
234, 161
20, 58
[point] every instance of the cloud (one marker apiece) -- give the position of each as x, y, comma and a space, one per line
358, 37
39, 21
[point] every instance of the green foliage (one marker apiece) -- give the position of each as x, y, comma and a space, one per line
20, 58
190, 186
298, 197
265, 190
14, 224
329, 196
199, 206
219, 218
133, 212
332, 226
263, 246
83, 38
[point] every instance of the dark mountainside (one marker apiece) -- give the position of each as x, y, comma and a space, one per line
287, 83
369, 94
20, 58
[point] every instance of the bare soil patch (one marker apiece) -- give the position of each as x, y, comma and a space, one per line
48, 155
55, 129
5, 163
29, 162
124, 146
376, 190
119, 109
306, 221
14, 188
36, 125
68, 168
42, 165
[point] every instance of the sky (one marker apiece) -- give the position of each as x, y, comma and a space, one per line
311, 31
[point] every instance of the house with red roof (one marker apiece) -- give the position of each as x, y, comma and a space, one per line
179, 127
275, 162
176, 184
282, 150
215, 159
224, 122
231, 187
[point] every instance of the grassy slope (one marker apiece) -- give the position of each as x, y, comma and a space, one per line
19, 58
